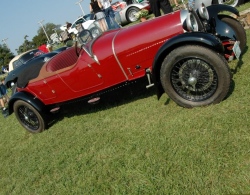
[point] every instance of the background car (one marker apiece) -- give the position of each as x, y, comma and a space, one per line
84, 22
232, 3
13, 75
125, 13
23, 58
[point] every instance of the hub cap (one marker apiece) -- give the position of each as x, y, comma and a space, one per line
194, 79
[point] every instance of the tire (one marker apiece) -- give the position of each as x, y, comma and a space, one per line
29, 117
195, 76
238, 29
232, 3
130, 14
95, 31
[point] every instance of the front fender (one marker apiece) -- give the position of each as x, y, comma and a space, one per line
27, 97
195, 38
11, 77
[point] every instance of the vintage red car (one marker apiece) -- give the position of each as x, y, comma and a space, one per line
178, 53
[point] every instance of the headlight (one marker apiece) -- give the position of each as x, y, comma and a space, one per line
191, 23
203, 13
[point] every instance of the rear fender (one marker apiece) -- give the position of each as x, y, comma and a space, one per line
214, 10
195, 38
29, 98
222, 30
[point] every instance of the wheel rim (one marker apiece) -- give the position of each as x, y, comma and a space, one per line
232, 3
28, 118
194, 79
131, 15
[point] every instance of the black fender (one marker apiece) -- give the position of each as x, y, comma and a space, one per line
214, 10
195, 38
218, 27
25, 72
29, 98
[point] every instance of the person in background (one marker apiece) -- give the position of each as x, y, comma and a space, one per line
96, 8
49, 47
176, 3
110, 15
4, 70
191, 4
43, 48
68, 25
158, 5
3, 95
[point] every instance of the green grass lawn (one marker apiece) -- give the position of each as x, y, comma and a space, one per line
135, 144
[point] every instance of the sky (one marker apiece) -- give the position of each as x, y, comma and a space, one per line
22, 17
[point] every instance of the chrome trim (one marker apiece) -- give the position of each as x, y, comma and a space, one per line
183, 15
203, 12
192, 24
119, 63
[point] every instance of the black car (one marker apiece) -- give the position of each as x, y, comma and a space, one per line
35, 62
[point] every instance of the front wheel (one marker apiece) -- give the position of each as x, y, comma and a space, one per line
29, 117
195, 76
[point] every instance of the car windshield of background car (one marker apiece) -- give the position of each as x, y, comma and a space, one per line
30, 55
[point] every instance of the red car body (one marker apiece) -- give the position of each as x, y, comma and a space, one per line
177, 53
116, 64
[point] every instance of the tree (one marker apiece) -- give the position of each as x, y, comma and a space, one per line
27, 45
37, 40
5, 55
41, 38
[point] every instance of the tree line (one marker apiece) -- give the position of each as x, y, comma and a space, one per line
6, 55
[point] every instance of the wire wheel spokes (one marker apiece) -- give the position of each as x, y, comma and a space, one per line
194, 79
28, 117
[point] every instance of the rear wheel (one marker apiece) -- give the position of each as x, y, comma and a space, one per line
29, 117
195, 76
232, 3
130, 15
238, 29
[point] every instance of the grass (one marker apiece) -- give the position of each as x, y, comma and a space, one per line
134, 144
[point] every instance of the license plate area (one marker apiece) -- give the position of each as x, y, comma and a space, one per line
236, 49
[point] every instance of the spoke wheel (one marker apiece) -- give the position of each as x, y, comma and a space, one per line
29, 117
195, 76
194, 79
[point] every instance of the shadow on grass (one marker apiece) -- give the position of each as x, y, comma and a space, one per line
120, 96
240, 62
234, 71
115, 98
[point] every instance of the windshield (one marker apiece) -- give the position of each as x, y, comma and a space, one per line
26, 57
89, 17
